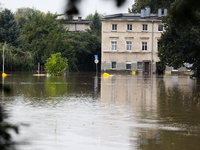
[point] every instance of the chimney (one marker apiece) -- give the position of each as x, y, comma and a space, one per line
159, 12
165, 12
79, 18
148, 11
143, 13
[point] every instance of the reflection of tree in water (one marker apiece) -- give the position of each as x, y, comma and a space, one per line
55, 86
178, 107
179, 100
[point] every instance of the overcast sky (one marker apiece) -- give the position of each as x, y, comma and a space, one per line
58, 6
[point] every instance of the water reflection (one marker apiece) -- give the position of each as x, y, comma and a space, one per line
82, 110
158, 109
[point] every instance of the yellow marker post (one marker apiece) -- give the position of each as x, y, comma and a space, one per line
4, 74
133, 72
107, 75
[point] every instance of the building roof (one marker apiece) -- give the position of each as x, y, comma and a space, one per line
131, 17
78, 22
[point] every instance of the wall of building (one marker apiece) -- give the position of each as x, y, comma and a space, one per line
77, 27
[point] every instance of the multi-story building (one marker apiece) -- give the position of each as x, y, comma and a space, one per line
130, 41
78, 25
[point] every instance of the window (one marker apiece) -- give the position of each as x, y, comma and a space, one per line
173, 69
144, 27
160, 27
114, 46
128, 46
129, 27
144, 46
189, 67
139, 66
158, 46
113, 65
128, 65
114, 27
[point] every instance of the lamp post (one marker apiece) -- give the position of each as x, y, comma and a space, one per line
3, 57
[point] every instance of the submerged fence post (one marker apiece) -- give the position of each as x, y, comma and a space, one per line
38, 68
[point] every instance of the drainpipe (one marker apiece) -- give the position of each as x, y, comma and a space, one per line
152, 50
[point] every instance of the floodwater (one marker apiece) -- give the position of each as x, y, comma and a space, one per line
89, 112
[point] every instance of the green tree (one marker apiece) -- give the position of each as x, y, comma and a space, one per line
153, 4
23, 15
36, 31
91, 16
86, 45
15, 59
185, 11
56, 64
179, 44
9, 31
55, 44
95, 26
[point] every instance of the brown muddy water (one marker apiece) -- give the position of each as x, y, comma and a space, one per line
88, 112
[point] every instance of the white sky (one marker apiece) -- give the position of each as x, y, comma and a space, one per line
57, 6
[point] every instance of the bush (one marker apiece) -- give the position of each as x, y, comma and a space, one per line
56, 65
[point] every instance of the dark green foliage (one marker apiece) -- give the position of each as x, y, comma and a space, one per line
70, 53
185, 11
55, 44
15, 59
55, 64
153, 4
6, 142
86, 46
95, 26
179, 44
23, 15
9, 31
35, 34
91, 16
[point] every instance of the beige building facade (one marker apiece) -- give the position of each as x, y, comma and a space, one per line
78, 25
130, 41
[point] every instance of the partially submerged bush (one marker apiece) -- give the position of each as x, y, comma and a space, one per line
55, 64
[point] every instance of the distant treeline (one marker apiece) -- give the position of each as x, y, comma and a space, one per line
30, 36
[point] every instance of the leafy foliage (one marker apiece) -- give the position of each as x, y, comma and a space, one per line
179, 44
153, 4
56, 65
55, 44
185, 11
95, 26
36, 31
23, 15
15, 59
9, 31
91, 16
86, 45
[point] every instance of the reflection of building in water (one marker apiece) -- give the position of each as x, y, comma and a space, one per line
135, 107
131, 100
184, 83
134, 90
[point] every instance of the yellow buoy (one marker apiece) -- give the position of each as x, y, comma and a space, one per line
133, 72
4, 74
107, 75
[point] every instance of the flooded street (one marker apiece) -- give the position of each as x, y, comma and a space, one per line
85, 111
